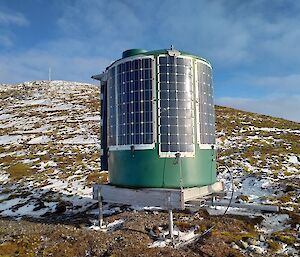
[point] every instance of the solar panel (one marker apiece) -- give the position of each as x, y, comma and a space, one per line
206, 119
176, 105
131, 118
111, 110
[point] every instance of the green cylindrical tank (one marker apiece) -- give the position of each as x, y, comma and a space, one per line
160, 120
131, 52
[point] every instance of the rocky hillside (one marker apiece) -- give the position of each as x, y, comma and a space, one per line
49, 158
264, 155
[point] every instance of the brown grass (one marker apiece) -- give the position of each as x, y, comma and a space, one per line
19, 170
97, 177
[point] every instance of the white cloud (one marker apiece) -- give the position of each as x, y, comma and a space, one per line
233, 32
227, 34
283, 107
34, 64
206, 28
5, 41
7, 18
288, 84
251, 84
241, 37
110, 26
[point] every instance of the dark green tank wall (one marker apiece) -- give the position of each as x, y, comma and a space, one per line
132, 52
144, 168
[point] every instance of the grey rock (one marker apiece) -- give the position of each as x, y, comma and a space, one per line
243, 244
234, 246
252, 241
255, 249
60, 207
262, 238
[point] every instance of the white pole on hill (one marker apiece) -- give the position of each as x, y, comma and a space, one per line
49, 74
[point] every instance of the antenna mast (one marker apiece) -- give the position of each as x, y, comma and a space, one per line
49, 74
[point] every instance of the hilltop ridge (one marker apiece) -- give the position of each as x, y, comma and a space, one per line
49, 159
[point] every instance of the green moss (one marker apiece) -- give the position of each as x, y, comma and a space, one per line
287, 197
202, 228
287, 173
6, 191
244, 198
286, 236
294, 218
2, 149
252, 161
247, 170
273, 245
287, 239
235, 237
276, 167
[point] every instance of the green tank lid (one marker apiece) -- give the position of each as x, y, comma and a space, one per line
131, 52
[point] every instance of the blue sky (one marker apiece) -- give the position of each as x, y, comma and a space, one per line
253, 45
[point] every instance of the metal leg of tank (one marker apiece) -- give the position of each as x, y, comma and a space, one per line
100, 217
171, 226
213, 200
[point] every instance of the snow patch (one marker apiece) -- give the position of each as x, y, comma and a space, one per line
5, 116
3, 177
274, 222
43, 129
80, 140
294, 159
255, 188
39, 140
92, 118
36, 102
6, 140
179, 236
109, 227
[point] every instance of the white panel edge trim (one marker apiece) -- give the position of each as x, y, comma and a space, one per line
207, 146
128, 147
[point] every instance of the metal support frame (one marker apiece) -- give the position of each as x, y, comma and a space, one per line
249, 206
168, 199
100, 217
171, 226
165, 198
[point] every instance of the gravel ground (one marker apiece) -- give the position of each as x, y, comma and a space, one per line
59, 237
